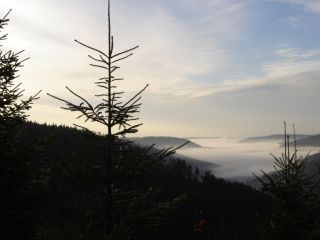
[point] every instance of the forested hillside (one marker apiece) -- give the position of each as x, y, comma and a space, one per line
170, 198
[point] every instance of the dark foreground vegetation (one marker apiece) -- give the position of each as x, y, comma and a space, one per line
53, 187
55, 190
60, 183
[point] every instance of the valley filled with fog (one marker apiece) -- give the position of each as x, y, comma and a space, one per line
235, 158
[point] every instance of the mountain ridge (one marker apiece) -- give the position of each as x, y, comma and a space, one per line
273, 137
164, 141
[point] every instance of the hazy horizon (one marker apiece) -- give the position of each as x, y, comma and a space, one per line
214, 137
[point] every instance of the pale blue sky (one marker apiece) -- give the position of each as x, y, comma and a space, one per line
215, 67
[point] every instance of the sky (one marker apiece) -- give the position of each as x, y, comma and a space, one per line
215, 67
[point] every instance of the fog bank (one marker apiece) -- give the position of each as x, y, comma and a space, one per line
238, 159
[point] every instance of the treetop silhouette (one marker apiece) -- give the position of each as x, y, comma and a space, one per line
112, 111
12, 107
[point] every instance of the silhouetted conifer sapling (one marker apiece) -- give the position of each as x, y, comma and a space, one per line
113, 112
293, 191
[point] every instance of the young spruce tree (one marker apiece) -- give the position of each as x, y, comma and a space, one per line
294, 213
112, 111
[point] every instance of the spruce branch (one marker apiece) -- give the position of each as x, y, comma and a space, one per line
124, 52
92, 48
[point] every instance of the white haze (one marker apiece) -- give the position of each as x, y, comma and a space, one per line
237, 159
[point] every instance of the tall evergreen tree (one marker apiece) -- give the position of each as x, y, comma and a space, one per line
113, 112
14, 178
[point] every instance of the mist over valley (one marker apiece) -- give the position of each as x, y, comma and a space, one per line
236, 158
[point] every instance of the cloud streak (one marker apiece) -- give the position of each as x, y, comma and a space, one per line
296, 70
297, 54
309, 5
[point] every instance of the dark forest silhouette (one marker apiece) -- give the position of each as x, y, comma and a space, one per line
58, 182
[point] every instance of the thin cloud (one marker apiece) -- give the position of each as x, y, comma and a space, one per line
176, 48
296, 54
293, 21
298, 74
310, 5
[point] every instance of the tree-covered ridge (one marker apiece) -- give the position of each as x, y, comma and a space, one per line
274, 137
310, 141
164, 142
69, 139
